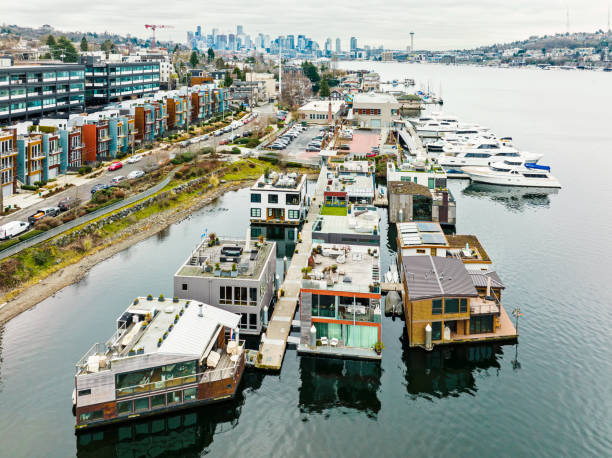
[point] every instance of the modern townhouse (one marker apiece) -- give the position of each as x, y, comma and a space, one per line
30, 158
71, 141
107, 81
178, 110
96, 137
31, 92
8, 162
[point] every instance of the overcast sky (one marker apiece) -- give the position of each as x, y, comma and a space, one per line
438, 24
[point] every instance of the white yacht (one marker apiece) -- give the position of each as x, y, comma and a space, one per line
483, 153
513, 172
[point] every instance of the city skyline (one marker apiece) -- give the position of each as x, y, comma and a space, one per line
437, 25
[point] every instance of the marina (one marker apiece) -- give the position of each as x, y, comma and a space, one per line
487, 371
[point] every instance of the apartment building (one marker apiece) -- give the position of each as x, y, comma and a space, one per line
31, 92
70, 140
111, 81
30, 157
8, 162
96, 137
279, 200
178, 110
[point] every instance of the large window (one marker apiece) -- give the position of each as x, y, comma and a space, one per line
125, 407
464, 305
240, 295
225, 295
189, 395
293, 199
323, 305
436, 330
252, 296
159, 400
255, 212
451, 305
91, 416
360, 336
481, 324
141, 404
294, 214
155, 378
272, 198
436, 307
256, 198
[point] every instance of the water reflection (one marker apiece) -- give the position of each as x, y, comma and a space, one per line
448, 371
331, 383
512, 197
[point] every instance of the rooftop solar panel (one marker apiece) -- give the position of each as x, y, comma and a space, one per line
428, 227
433, 239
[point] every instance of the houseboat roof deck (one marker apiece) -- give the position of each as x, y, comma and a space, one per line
248, 256
362, 220
354, 167
421, 233
192, 334
434, 276
357, 269
280, 182
468, 247
353, 185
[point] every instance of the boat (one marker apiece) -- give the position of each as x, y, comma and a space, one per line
392, 276
164, 355
456, 158
513, 172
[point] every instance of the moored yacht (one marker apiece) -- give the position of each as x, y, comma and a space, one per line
513, 172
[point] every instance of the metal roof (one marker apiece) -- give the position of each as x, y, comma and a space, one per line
479, 279
434, 276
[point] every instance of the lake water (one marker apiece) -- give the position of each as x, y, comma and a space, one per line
549, 395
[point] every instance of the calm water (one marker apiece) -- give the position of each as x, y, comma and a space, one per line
551, 395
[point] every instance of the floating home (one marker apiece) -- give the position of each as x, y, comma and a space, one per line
234, 275
361, 226
348, 188
165, 355
451, 292
279, 199
340, 312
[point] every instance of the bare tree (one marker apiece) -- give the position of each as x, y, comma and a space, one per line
296, 89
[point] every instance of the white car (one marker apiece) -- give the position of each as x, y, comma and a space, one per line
12, 229
117, 179
135, 174
218, 132
135, 158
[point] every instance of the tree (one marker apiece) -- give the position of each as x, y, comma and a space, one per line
219, 63
238, 73
84, 45
193, 59
106, 46
66, 48
324, 89
175, 49
228, 80
211, 55
51, 41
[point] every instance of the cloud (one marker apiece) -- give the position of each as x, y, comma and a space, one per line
438, 24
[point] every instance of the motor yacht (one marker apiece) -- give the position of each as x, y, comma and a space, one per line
513, 172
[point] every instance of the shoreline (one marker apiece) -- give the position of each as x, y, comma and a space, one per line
56, 281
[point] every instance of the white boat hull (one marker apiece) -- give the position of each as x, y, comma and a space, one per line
485, 175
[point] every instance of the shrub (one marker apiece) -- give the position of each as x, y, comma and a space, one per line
42, 256
207, 150
119, 194
8, 273
294, 164
235, 150
29, 235
252, 143
161, 298
84, 170
8, 244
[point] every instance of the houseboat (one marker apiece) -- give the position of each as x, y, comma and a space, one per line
279, 199
165, 355
340, 313
234, 275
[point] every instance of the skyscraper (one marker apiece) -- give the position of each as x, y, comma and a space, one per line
198, 31
353, 44
328, 47
338, 48
239, 30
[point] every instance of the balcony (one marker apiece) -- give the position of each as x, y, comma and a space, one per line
104, 139
483, 306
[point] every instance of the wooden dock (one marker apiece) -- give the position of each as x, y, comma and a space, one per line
272, 348
387, 287
381, 201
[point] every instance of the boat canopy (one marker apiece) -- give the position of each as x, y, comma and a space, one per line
531, 165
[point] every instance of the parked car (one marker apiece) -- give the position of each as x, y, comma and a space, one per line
135, 158
115, 166
313, 148
225, 141
247, 133
371, 154
99, 187
205, 137
345, 147
43, 212
68, 202
218, 133
12, 229
227, 129
118, 179
135, 174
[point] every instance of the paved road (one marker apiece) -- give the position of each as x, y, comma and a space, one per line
83, 191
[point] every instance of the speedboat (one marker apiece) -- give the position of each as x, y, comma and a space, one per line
513, 172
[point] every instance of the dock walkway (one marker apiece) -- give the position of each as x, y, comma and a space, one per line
272, 348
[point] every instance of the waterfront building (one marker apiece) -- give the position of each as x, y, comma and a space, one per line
31, 92
96, 138
361, 226
234, 275
279, 200
165, 355
321, 111
348, 188
8, 162
340, 313
111, 81
374, 110
30, 157
178, 110
70, 139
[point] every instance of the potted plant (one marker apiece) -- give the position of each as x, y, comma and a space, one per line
334, 268
175, 299
379, 347
131, 353
187, 304
170, 327
150, 297
176, 318
161, 298
135, 301
165, 335
140, 351
181, 312
159, 342
261, 238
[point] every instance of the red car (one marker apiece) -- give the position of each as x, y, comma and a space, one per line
115, 166
372, 154
224, 142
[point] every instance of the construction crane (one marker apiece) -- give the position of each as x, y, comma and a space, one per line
154, 27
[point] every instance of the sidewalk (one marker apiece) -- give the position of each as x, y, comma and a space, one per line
31, 198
